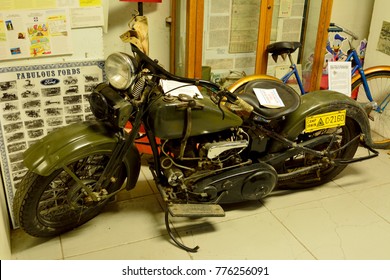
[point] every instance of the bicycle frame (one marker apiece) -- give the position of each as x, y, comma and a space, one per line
357, 68
293, 71
352, 56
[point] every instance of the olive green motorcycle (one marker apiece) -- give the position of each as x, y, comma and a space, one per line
210, 145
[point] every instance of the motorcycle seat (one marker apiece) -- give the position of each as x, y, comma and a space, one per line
291, 99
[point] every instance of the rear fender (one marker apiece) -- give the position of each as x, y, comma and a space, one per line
318, 102
74, 142
243, 81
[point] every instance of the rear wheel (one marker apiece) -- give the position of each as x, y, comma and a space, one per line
325, 171
50, 205
379, 84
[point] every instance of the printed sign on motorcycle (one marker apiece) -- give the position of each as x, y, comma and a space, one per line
36, 100
327, 120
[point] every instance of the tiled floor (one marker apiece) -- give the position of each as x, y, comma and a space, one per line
348, 218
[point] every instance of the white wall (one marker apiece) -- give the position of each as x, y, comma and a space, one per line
380, 13
353, 15
92, 43
159, 30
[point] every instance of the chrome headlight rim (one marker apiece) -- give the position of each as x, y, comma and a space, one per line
120, 70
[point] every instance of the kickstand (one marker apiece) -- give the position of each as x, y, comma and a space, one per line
182, 246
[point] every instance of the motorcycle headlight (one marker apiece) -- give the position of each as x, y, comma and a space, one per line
107, 104
120, 68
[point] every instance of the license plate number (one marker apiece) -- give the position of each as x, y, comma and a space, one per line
326, 120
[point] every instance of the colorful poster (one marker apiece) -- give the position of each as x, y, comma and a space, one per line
34, 33
35, 100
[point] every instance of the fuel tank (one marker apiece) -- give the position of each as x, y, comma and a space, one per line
170, 117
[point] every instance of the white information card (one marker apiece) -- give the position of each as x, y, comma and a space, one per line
339, 75
268, 97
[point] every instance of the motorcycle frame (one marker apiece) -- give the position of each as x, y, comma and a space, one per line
125, 151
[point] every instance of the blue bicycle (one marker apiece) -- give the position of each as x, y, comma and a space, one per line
370, 86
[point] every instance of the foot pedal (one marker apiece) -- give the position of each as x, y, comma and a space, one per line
196, 210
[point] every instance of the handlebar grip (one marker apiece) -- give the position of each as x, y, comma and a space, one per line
336, 28
245, 109
230, 96
245, 106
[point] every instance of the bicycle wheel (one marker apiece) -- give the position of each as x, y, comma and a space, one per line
379, 84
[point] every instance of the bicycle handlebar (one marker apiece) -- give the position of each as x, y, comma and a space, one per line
337, 28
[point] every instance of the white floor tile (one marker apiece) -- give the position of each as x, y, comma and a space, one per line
348, 218
158, 248
126, 222
377, 199
287, 198
258, 236
338, 228
25, 247
366, 174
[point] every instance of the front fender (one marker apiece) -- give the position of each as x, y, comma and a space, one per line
370, 70
318, 102
74, 142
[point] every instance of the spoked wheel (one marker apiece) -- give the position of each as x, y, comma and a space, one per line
322, 170
379, 84
50, 205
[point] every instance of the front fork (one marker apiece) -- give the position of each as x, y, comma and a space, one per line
126, 140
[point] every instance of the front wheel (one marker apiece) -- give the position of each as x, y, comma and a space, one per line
379, 84
47, 206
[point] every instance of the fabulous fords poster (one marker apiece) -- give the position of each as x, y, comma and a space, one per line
35, 100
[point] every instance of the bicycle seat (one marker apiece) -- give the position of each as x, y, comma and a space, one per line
284, 47
289, 96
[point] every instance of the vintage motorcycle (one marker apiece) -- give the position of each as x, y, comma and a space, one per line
210, 146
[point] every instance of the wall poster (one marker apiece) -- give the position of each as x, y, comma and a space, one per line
36, 100
384, 38
34, 33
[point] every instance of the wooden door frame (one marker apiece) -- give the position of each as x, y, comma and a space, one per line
320, 50
194, 39
264, 35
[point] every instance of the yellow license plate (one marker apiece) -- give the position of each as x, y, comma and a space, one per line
326, 120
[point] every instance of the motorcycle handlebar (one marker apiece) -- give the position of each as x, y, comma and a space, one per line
337, 28
156, 68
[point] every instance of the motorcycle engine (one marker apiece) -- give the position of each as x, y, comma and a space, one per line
251, 182
212, 167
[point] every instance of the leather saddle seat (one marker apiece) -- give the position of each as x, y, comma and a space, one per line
289, 96
280, 48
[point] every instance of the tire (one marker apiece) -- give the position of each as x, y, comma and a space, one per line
47, 206
379, 84
326, 173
